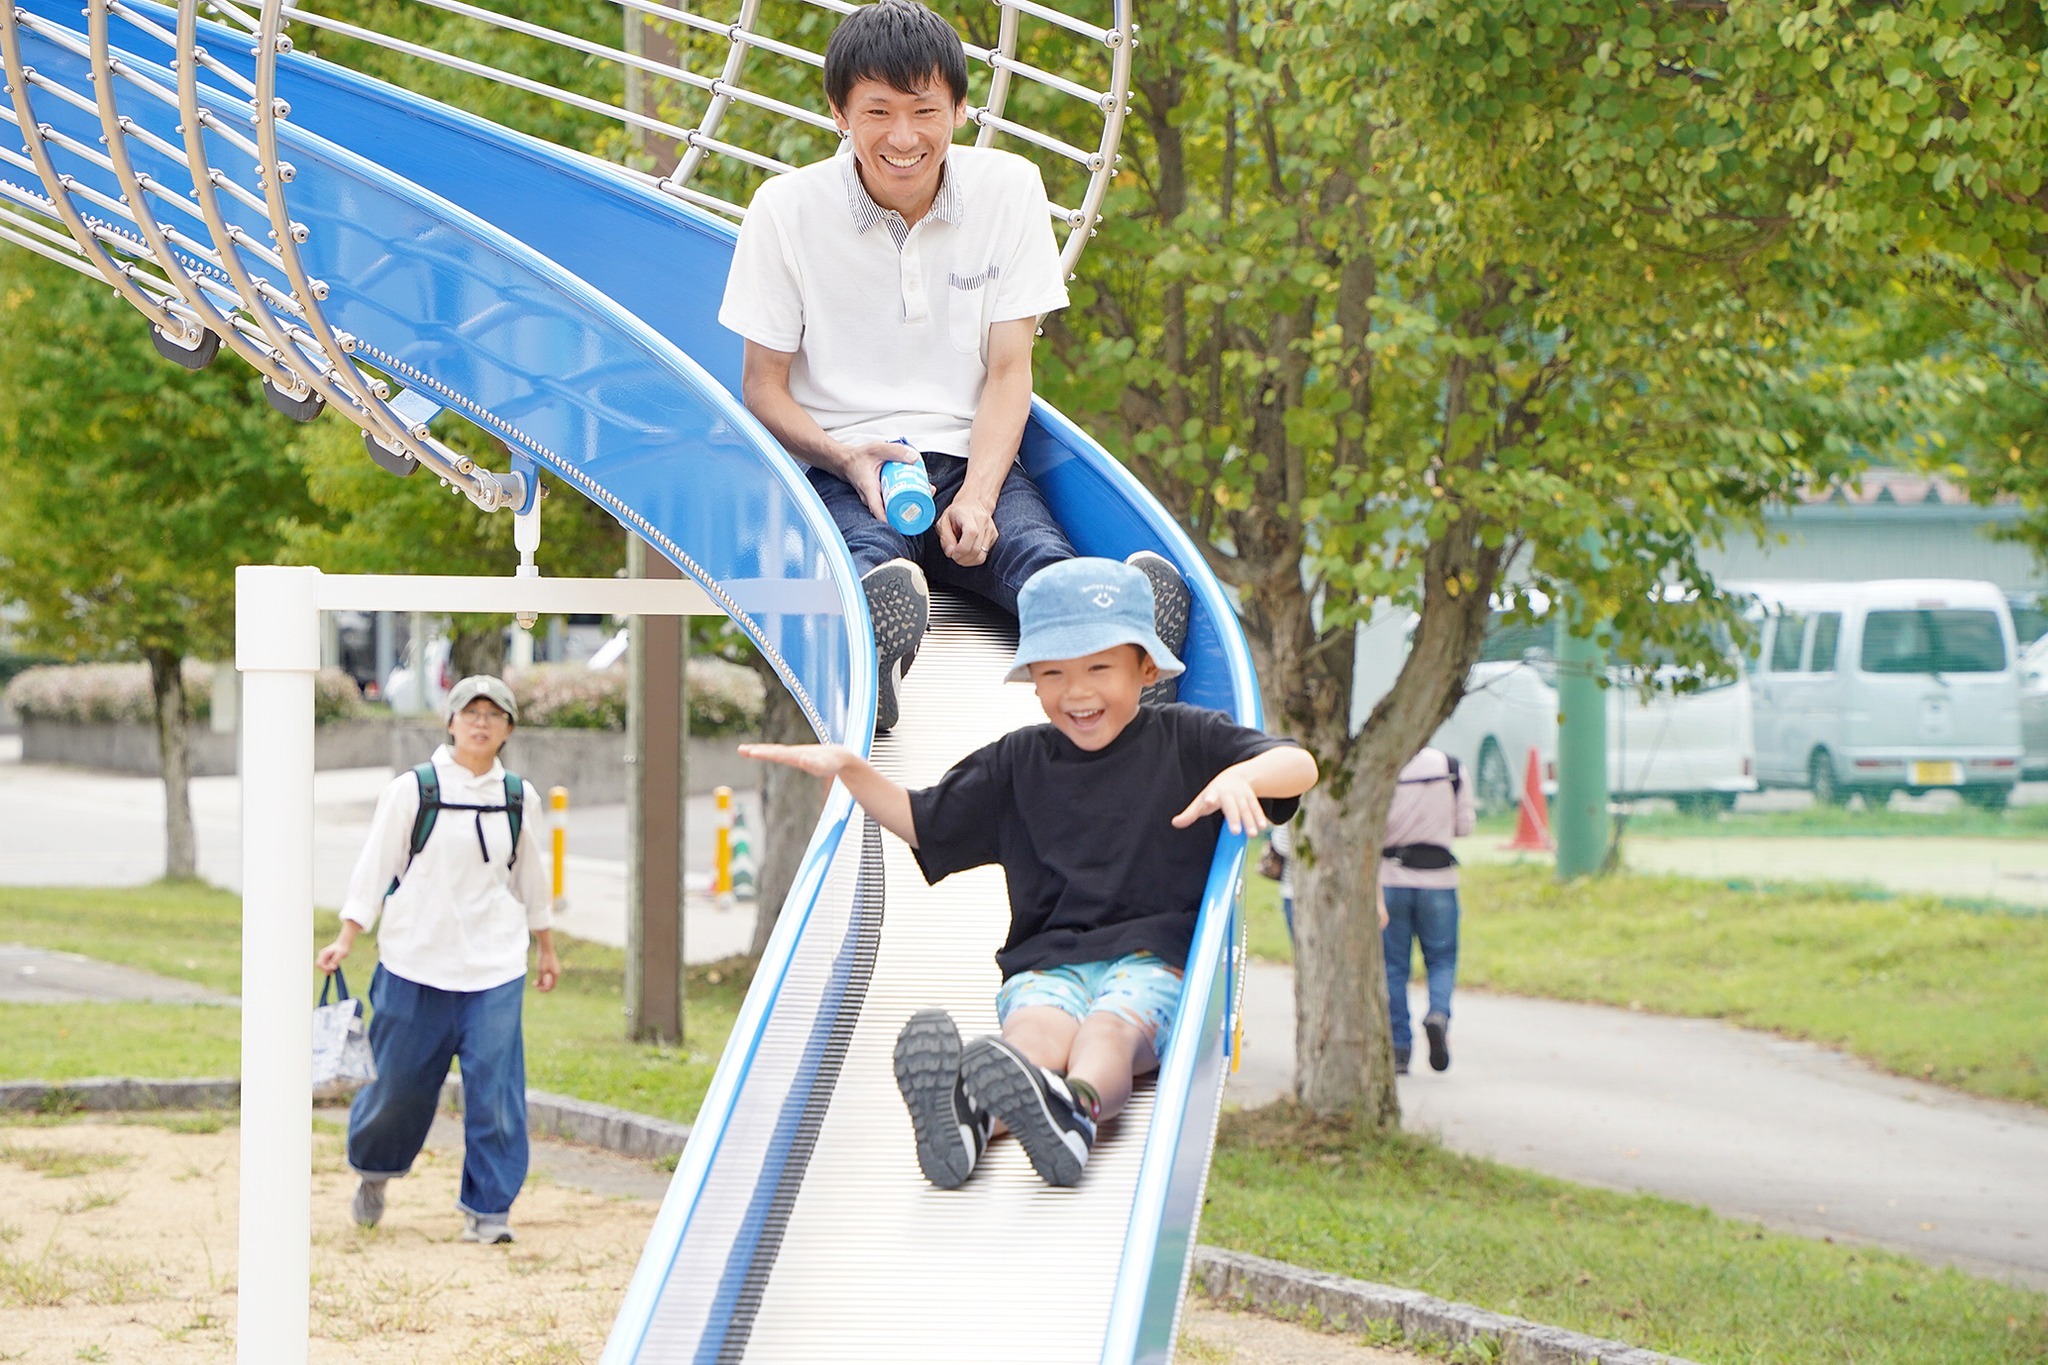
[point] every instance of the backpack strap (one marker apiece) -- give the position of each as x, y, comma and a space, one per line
515, 811
423, 819
1457, 774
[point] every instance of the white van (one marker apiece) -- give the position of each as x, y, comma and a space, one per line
1892, 685
1694, 747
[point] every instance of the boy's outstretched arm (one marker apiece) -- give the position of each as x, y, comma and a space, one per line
1284, 771
877, 795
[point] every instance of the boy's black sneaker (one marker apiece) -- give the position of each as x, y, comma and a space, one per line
899, 604
1438, 1027
1033, 1103
951, 1131
1171, 605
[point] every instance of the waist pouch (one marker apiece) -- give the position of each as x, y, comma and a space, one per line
1421, 857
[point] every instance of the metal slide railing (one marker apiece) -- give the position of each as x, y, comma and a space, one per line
458, 266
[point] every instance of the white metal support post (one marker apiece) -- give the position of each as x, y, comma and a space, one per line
277, 650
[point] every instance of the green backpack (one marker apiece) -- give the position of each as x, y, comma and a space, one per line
431, 806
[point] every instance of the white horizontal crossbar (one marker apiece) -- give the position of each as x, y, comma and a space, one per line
544, 596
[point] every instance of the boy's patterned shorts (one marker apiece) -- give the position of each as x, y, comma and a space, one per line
1137, 988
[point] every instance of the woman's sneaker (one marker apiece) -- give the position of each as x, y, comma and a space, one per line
951, 1130
367, 1208
490, 1229
1171, 606
1035, 1104
899, 604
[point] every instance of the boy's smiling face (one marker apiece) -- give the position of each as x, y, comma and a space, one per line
900, 140
1091, 699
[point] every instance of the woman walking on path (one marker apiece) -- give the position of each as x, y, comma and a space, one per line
1419, 896
454, 865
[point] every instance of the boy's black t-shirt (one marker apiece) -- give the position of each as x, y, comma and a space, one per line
1086, 840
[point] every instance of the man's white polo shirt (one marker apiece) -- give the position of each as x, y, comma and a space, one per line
889, 324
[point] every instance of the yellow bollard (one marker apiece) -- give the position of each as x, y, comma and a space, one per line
558, 818
721, 866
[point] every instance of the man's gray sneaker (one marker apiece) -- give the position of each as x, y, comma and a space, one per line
899, 604
490, 1230
368, 1206
1171, 607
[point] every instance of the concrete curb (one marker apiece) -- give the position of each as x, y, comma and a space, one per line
1355, 1305
1231, 1276
597, 1125
109, 1094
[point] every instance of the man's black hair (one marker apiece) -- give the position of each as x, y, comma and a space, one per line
897, 42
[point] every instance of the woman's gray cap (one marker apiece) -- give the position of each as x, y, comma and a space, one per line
482, 685
1079, 607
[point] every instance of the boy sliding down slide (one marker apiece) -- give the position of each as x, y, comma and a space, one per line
1104, 822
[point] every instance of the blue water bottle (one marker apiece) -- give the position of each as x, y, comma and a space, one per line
907, 495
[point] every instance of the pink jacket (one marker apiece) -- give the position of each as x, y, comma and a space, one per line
1426, 810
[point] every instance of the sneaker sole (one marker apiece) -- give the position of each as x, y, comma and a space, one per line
927, 1065
1439, 1044
1172, 604
997, 1081
898, 605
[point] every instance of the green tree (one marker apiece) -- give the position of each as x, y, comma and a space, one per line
129, 491
1360, 322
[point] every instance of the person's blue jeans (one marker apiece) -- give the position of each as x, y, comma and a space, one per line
415, 1031
1027, 536
1430, 916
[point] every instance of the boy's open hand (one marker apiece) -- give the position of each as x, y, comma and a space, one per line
1232, 794
819, 760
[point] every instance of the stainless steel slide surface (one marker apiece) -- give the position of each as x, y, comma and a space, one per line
572, 311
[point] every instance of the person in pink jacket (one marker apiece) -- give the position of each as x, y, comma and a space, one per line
1419, 885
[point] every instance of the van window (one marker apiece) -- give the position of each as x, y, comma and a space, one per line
1933, 641
1785, 644
1827, 631
1510, 642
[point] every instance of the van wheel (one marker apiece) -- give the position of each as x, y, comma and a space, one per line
1704, 805
1988, 797
1875, 798
1494, 788
1820, 775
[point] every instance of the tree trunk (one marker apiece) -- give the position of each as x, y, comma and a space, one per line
790, 804
167, 690
476, 651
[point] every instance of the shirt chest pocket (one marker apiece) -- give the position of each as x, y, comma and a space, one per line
967, 303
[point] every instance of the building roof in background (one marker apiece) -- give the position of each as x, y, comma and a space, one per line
1882, 487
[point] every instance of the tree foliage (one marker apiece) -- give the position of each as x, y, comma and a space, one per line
1401, 295
129, 491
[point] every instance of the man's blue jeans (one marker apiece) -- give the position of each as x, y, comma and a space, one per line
415, 1031
1027, 536
1432, 917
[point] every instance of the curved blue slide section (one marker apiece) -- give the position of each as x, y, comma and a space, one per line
572, 311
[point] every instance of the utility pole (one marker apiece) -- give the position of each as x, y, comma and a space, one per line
1578, 818
657, 732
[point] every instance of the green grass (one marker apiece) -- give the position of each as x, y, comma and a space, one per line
575, 1036
1964, 822
1919, 987
1648, 1271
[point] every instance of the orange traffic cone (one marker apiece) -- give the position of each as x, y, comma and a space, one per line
1532, 818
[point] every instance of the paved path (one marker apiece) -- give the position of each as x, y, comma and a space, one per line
74, 827
1753, 1126
38, 976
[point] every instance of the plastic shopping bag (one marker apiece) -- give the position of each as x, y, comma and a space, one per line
342, 1063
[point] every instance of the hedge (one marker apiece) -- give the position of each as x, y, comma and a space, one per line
84, 694
725, 698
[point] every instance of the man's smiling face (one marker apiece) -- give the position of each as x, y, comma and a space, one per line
900, 138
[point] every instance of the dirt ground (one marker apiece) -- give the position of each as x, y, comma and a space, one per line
117, 1244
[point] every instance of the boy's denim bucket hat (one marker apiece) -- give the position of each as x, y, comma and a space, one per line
1079, 607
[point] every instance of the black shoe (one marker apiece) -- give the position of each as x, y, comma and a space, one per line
1171, 606
951, 1130
1035, 1104
1438, 1027
1400, 1061
899, 604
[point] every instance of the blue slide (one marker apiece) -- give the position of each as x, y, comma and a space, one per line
571, 311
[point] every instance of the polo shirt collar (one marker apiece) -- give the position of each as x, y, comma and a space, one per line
950, 205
